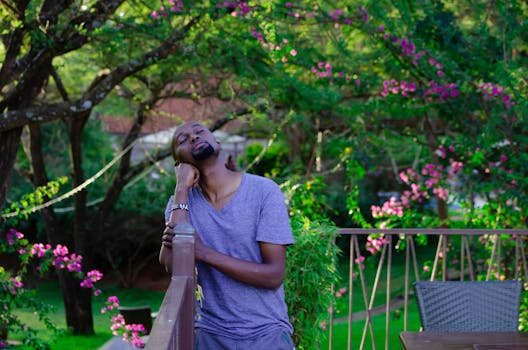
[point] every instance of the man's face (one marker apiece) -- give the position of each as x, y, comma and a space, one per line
193, 142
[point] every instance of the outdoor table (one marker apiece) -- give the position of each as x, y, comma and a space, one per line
464, 341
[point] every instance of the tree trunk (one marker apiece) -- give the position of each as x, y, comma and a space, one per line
9, 142
77, 300
76, 306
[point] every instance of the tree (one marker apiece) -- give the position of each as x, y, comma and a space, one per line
323, 77
39, 34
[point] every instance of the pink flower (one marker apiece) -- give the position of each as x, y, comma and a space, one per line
60, 250
293, 53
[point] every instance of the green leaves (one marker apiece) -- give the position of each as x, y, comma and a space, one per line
20, 210
311, 274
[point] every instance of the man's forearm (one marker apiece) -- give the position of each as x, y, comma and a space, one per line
177, 215
268, 275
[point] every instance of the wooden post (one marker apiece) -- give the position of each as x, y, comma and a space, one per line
183, 266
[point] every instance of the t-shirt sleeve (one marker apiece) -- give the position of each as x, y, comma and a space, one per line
274, 223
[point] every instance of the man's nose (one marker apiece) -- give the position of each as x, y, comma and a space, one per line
194, 137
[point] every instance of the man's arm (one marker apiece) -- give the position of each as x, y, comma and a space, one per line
269, 274
187, 176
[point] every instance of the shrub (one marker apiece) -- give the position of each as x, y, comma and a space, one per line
311, 272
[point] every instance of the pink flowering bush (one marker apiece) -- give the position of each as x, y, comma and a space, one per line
14, 295
410, 209
43, 257
129, 332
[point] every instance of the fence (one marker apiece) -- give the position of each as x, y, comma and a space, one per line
173, 328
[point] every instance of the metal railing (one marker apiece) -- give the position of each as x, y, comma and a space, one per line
450, 242
174, 326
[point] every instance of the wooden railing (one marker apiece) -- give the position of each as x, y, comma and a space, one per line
173, 328
174, 325
449, 241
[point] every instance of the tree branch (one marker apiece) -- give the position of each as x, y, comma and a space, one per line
92, 97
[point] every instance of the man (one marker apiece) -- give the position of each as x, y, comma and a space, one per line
242, 229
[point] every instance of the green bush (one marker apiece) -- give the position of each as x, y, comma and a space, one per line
311, 272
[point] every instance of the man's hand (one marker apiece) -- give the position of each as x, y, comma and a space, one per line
200, 249
168, 235
187, 176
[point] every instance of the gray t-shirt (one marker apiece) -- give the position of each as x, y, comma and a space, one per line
255, 213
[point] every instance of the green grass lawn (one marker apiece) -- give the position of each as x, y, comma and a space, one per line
50, 292
340, 339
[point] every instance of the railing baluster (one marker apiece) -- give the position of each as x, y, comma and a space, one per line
437, 255
492, 258
517, 258
523, 254
406, 290
388, 289
364, 289
462, 256
350, 292
371, 303
444, 258
499, 257
415, 260
470, 259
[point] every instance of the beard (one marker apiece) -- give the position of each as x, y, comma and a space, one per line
203, 153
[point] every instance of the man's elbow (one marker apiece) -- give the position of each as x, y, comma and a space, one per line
275, 281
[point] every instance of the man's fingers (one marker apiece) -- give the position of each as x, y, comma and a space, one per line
168, 234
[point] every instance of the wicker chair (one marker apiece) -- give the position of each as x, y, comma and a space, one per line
464, 306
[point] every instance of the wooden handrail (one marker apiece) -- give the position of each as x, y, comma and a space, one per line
174, 325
